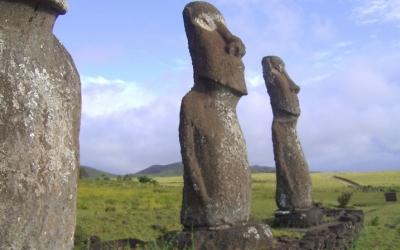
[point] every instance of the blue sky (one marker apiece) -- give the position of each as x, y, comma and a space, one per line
135, 68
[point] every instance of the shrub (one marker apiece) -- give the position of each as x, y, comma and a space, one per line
154, 182
344, 199
144, 179
127, 178
375, 221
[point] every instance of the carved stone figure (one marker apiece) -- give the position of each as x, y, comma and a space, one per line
217, 182
39, 128
293, 187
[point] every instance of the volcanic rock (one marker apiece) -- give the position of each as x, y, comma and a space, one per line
39, 127
293, 187
217, 182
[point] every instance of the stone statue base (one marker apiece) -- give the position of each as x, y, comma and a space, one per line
299, 218
247, 237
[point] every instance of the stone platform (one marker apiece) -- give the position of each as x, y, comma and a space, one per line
338, 234
299, 218
250, 236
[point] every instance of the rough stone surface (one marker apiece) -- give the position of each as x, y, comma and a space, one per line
251, 236
338, 234
293, 187
39, 128
61, 6
299, 218
217, 182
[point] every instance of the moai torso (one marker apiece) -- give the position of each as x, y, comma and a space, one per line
39, 128
217, 182
293, 188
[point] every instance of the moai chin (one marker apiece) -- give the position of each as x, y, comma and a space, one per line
217, 182
293, 181
39, 127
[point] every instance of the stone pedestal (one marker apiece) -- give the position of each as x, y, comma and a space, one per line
299, 218
340, 232
250, 236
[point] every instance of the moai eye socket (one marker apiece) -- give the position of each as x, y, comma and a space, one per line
207, 21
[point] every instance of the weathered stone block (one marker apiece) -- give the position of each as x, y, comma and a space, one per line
247, 237
329, 243
307, 244
391, 196
318, 240
299, 218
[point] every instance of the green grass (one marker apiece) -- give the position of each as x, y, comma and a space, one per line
117, 209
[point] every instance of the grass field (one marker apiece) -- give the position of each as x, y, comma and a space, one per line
126, 209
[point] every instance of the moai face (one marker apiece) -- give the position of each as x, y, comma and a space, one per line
281, 89
216, 53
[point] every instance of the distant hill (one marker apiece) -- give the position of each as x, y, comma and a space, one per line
92, 173
262, 169
176, 169
173, 169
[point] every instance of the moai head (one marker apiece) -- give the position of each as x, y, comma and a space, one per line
281, 89
216, 53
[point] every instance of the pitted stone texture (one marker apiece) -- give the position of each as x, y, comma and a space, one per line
217, 182
293, 188
39, 128
246, 237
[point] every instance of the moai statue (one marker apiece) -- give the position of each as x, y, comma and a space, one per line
293, 181
39, 127
217, 189
217, 181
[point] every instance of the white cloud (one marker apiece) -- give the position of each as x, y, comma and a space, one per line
377, 11
349, 119
103, 97
318, 78
254, 78
322, 55
344, 44
133, 139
